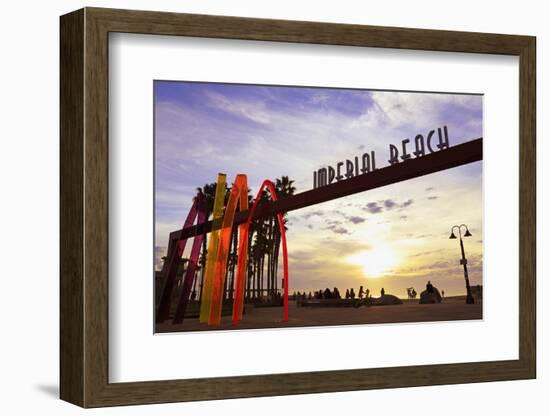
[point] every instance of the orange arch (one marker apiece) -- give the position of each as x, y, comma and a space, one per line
238, 302
238, 195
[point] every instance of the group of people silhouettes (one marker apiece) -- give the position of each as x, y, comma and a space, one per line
335, 294
351, 294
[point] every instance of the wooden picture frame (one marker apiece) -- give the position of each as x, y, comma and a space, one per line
84, 207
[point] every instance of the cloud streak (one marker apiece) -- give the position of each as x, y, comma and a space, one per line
386, 205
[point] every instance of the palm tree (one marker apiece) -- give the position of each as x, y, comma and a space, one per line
232, 262
260, 246
264, 241
284, 188
250, 271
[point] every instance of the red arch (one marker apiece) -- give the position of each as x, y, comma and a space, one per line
239, 290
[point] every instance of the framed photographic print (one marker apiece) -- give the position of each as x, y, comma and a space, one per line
256, 207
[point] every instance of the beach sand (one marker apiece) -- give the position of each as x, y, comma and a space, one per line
451, 309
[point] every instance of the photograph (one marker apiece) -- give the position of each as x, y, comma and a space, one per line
304, 206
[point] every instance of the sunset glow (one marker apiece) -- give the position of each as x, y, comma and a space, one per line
393, 237
377, 262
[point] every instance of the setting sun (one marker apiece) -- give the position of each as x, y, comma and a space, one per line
377, 262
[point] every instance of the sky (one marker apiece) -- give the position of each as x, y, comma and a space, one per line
393, 237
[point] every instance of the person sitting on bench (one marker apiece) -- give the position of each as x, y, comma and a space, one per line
429, 287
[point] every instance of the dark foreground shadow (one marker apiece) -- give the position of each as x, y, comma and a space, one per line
49, 390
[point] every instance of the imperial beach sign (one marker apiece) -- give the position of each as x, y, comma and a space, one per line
421, 145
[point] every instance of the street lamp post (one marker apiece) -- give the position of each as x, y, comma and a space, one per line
463, 261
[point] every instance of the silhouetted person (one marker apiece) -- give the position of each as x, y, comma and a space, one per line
309, 296
336, 293
382, 292
429, 287
327, 294
442, 293
347, 293
352, 293
361, 292
368, 293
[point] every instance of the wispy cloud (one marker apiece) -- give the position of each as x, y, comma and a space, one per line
337, 230
356, 219
373, 208
251, 111
317, 213
386, 205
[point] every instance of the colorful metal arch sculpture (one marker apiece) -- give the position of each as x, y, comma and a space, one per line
218, 252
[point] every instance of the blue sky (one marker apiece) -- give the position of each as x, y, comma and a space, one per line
393, 236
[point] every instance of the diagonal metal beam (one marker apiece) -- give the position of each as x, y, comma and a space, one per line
455, 156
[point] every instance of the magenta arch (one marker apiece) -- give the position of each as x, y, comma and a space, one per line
199, 210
